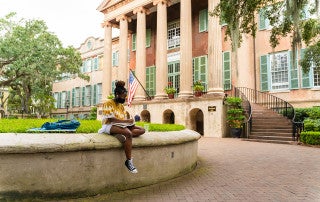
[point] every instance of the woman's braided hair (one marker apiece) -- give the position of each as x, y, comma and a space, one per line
120, 88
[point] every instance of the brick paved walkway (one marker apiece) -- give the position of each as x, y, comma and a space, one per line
236, 170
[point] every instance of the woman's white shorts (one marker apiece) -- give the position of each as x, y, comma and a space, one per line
105, 129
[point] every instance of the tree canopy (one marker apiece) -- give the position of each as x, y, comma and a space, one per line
287, 18
31, 59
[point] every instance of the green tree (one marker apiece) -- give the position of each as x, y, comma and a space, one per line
239, 15
287, 18
31, 59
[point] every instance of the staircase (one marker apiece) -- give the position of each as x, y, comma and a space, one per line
267, 122
269, 126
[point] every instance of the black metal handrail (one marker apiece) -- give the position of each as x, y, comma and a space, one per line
274, 103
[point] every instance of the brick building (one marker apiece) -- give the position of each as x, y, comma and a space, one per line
177, 41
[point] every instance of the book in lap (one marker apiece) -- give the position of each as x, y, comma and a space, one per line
123, 125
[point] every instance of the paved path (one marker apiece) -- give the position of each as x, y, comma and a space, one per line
236, 170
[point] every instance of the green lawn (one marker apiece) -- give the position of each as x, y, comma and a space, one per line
87, 126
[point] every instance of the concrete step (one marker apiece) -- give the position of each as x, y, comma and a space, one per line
265, 137
270, 141
271, 133
268, 125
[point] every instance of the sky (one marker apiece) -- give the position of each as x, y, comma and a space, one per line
73, 21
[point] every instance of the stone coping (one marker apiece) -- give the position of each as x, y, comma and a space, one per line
63, 142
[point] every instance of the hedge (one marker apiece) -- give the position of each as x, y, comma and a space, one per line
310, 137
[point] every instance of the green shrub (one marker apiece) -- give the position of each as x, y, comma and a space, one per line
311, 124
301, 114
314, 113
312, 138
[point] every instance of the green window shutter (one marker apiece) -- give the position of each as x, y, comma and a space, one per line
306, 77
203, 69
203, 20
264, 73
226, 70
148, 38
196, 69
83, 96
263, 22
151, 80
294, 81
134, 41
73, 97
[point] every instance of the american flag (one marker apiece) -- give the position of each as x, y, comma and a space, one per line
133, 85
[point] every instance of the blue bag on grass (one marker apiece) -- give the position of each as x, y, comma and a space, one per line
61, 125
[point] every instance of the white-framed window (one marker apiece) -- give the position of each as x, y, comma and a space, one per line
99, 92
95, 63
63, 99
88, 96
279, 68
89, 65
77, 96
174, 34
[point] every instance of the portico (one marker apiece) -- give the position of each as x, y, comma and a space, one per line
134, 19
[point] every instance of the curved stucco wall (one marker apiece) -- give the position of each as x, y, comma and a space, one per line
57, 165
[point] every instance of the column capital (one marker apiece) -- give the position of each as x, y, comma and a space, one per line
141, 9
106, 24
167, 2
122, 18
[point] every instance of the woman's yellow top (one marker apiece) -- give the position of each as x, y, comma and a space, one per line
111, 109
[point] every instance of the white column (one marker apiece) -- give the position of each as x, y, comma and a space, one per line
161, 52
123, 48
107, 61
141, 52
186, 81
215, 84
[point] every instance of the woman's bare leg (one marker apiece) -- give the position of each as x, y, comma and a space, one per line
127, 145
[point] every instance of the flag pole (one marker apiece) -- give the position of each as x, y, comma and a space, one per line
140, 84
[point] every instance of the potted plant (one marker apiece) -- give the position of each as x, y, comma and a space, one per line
235, 115
170, 90
198, 88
